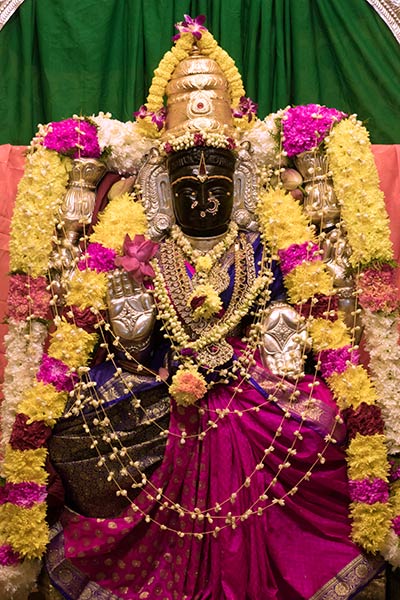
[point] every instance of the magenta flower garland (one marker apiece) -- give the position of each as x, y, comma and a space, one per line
75, 137
305, 127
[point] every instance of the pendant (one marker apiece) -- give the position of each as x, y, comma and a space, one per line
215, 355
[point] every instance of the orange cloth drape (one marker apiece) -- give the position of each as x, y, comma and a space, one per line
12, 159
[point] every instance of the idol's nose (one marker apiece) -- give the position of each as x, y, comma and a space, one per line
202, 197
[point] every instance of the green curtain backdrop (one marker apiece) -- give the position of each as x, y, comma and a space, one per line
63, 57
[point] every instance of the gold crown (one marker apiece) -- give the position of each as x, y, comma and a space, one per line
198, 98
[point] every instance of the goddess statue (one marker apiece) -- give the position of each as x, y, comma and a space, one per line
202, 455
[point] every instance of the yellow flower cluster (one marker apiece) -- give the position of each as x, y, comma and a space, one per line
209, 47
366, 456
122, 212
352, 387
87, 288
356, 185
29, 535
277, 230
42, 402
163, 73
188, 386
370, 524
328, 335
211, 301
71, 344
25, 465
204, 263
40, 193
308, 279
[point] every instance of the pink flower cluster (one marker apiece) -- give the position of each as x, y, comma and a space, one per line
55, 372
24, 494
368, 491
7, 556
378, 289
336, 361
73, 137
28, 296
396, 525
98, 258
137, 255
296, 254
304, 127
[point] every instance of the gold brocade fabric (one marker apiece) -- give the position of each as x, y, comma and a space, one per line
138, 428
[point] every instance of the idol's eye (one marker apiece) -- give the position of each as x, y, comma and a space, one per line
186, 193
218, 192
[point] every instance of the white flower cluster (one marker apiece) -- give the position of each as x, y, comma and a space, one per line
264, 140
382, 343
190, 139
24, 354
124, 141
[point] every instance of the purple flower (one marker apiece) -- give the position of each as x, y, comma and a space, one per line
246, 108
304, 127
396, 525
7, 556
335, 361
55, 372
368, 491
99, 258
74, 137
158, 118
141, 113
188, 352
295, 254
189, 25
25, 494
137, 255
198, 139
168, 148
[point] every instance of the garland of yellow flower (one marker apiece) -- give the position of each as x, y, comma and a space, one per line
181, 50
23, 528
356, 185
366, 455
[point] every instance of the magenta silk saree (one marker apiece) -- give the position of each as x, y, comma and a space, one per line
297, 547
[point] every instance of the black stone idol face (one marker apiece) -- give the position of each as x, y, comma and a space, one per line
202, 190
